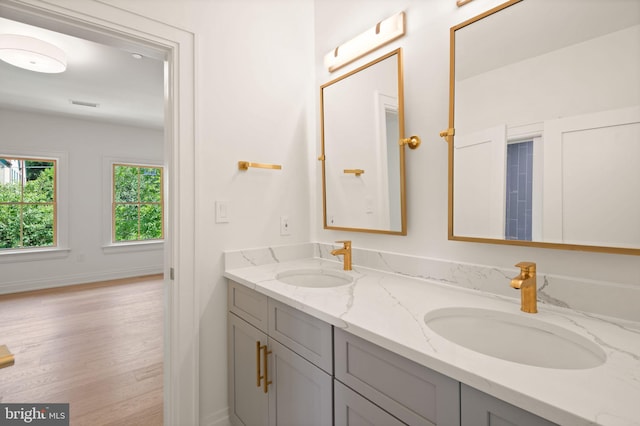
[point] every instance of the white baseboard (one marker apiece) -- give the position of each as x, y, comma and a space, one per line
219, 418
66, 280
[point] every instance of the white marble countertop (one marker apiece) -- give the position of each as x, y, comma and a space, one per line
389, 309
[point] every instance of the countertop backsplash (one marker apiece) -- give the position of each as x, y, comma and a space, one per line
567, 292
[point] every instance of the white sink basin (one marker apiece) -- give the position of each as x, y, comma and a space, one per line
315, 278
515, 337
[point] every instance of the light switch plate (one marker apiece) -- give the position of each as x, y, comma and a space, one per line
222, 211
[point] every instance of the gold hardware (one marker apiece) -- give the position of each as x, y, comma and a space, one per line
244, 165
346, 252
357, 172
265, 365
526, 283
412, 142
6, 358
446, 133
258, 375
321, 157
462, 2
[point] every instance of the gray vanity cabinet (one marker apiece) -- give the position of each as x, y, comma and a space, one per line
319, 375
298, 391
480, 409
352, 409
408, 391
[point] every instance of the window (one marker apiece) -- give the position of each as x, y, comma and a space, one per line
138, 210
28, 203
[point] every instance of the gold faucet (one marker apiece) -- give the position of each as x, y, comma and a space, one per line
526, 283
346, 252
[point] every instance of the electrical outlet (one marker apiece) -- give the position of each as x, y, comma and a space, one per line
284, 225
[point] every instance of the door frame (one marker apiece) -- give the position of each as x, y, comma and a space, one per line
107, 24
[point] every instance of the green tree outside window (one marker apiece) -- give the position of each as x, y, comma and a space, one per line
137, 203
27, 203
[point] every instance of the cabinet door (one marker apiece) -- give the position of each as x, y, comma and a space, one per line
480, 409
307, 336
300, 393
248, 304
411, 392
248, 404
351, 409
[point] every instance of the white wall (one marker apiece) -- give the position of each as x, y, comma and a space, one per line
86, 145
426, 72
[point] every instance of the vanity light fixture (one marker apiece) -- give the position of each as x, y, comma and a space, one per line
384, 32
32, 54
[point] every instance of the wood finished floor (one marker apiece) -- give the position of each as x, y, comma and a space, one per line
97, 347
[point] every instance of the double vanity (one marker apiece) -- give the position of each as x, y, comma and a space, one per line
398, 349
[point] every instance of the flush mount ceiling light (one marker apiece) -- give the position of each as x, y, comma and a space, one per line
32, 54
384, 32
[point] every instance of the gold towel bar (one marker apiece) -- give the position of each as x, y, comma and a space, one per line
356, 172
6, 357
244, 165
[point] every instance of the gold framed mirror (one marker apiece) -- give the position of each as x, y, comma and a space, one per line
363, 165
544, 126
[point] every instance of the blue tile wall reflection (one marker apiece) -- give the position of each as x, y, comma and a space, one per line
519, 186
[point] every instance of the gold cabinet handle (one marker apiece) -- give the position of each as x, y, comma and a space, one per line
258, 376
265, 365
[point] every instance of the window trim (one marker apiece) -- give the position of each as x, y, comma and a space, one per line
109, 244
60, 247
